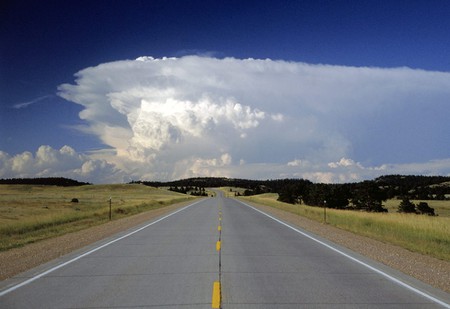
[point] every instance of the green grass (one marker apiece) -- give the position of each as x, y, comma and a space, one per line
31, 213
418, 233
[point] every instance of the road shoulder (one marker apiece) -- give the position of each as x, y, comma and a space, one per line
427, 269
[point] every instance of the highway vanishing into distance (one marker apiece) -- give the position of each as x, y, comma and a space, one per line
216, 253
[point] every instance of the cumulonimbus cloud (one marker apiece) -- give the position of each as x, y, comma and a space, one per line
173, 117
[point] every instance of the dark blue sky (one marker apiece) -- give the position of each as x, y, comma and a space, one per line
44, 43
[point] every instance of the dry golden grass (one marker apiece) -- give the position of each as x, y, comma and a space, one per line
30, 213
231, 191
419, 233
441, 208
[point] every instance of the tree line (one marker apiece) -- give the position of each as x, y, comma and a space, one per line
366, 195
45, 181
196, 191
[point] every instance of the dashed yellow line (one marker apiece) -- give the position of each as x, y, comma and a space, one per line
216, 295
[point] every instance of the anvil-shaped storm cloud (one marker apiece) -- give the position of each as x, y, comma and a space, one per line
171, 118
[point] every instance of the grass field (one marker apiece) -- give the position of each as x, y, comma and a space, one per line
30, 213
423, 234
441, 208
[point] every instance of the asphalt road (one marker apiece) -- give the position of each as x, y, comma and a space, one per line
181, 260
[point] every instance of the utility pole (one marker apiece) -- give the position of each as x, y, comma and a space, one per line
110, 208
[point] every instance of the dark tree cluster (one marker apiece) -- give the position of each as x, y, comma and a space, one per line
196, 191
406, 206
415, 187
205, 182
252, 186
48, 181
360, 196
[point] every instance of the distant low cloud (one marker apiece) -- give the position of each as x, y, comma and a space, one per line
49, 162
170, 118
66, 162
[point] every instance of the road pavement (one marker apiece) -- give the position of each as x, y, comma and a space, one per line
216, 252
265, 264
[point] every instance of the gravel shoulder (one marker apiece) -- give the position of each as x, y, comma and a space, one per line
424, 268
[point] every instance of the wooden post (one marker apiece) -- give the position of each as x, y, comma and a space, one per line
110, 209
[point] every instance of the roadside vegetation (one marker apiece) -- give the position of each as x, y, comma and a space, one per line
424, 234
409, 211
29, 213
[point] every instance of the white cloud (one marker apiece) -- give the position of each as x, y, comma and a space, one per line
66, 162
297, 162
49, 162
156, 124
343, 162
173, 117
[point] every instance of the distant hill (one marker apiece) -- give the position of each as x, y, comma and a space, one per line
407, 182
256, 186
47, 181
411, 180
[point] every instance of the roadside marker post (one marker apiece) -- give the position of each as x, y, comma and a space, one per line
110, 208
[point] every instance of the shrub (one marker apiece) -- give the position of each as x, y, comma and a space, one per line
424, 209
406, 206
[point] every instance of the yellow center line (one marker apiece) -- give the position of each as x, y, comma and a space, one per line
216, 295
218, 245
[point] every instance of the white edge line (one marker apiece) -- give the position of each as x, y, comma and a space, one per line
15, 287
399, 282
